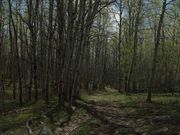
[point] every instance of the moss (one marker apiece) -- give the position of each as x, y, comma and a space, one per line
122, 131
59, 115
79, 112
8, 120
17, 131
84, 129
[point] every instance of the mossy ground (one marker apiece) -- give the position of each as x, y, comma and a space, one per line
13, 122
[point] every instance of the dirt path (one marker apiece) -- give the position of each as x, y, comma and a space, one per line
114, 118
112, 121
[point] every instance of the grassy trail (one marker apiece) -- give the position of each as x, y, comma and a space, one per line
129, 115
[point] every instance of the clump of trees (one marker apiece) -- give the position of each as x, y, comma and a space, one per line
148, 38
44, 44
58, 47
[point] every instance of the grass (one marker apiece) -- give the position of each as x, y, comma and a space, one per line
112, 95
12, 124
13, 119
19, 115
16, 123
17, 131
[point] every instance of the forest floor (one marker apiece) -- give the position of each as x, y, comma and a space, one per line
105, 112
129, 114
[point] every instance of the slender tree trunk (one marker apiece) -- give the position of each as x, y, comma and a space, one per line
51, 5
12, 59
119, 45
60, 50
1, 20
16, 54
135, 42
157, 42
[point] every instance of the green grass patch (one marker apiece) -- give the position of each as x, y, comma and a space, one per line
14, 123
13, 119
111, 96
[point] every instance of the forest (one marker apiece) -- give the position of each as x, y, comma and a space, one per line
89, 67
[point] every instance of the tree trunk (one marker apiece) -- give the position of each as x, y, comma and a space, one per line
157, 42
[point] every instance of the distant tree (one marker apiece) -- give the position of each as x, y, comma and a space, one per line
156, 46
